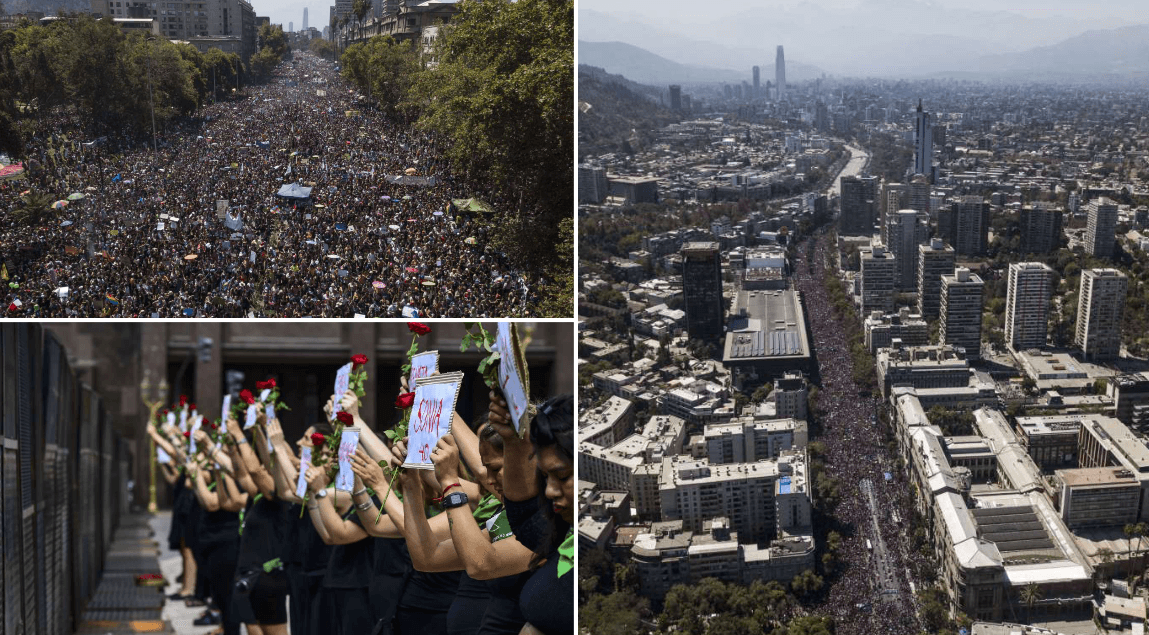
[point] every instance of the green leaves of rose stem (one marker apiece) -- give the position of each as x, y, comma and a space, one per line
482, 339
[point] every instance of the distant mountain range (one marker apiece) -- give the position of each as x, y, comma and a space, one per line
875, 38
616, 114
1101, 55
645, 67
47, 7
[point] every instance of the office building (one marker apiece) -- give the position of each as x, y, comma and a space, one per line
1100, 240
1131, 399
858, 205
757, 79
960, 311
921, 367
634, 190
767, 334
702, 290
675, 97
919, 194
1100, 307
790, 397
1098, 497
1040, 225
934, 261
879, 279
892, 198
780, 73
1027, 305
592, 184
304, 18
923, 143
964, 224
881, 330
906, 234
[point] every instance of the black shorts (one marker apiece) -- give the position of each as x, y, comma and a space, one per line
267, 602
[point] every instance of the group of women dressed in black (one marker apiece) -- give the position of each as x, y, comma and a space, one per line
482, 545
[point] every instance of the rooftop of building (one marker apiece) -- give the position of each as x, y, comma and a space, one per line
1096, 476
766, 325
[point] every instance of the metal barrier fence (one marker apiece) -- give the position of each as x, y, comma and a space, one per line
63, 477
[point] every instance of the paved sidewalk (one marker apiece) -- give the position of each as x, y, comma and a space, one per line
119, 605
171, 565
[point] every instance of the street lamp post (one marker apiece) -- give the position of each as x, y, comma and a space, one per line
153, 406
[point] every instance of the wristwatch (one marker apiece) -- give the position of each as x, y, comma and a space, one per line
321, 493
454, 499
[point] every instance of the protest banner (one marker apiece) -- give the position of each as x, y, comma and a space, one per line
304, 463
423, 365
431, 414
513, 380
345, 479
342, 382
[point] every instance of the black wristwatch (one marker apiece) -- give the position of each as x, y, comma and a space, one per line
454, 499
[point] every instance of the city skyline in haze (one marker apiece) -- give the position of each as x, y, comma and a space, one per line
904, 38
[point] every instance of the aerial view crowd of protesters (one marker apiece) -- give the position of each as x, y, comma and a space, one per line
472, 536
293, 198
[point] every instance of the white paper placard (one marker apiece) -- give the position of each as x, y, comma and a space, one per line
268, 412
171, 418
225, 410
345, 480
431, 414
304, 463
263, 395
342, 382
194, 429
423, 365
252, 413
510, 382
183, 420
161, 456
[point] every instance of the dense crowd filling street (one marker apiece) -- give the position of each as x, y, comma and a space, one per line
873, 592
202, 227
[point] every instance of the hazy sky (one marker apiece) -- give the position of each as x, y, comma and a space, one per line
1132, 11
282, 12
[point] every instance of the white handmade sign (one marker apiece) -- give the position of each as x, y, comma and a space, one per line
342, 382
345, 479
431, 414
304, 463
423, 365
510, 377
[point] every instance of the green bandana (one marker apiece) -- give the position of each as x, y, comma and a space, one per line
566, 554
488, 506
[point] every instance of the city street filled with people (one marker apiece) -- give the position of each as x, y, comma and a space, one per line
290, 199
857, 456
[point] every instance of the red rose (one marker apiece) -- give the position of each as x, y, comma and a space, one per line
405, 400
345, 418
166, 411
192, 406
214, 426
245, 396
260, 385
188, 434
418, 328
269, 383
358, 360
12, 307
183, 400
317, 439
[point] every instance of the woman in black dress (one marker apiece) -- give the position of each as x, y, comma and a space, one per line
547, 598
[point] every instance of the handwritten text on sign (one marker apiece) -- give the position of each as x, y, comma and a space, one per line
510, 382
430, 420
342, 383
347, 442
423, 365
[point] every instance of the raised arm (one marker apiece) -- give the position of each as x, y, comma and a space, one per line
339, 531
259, 475
520, 482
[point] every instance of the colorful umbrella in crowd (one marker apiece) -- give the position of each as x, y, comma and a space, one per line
378, 285
59, 204
75, 196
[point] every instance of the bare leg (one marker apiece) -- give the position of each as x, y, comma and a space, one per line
274, 629
254, 629
189, 571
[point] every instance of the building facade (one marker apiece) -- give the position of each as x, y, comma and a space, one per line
935, 260
1100, 307
960, 311
1100, 233
1027, 304
702, 290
